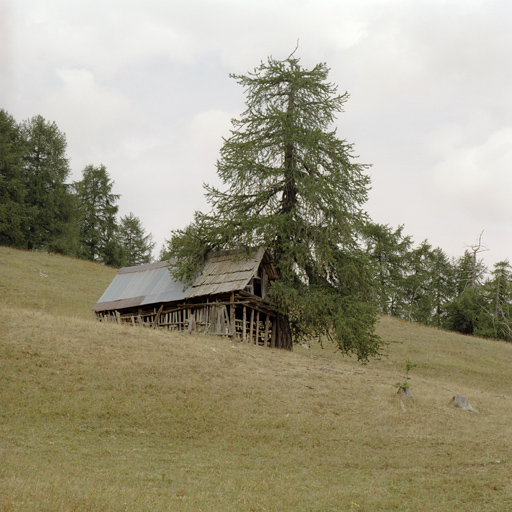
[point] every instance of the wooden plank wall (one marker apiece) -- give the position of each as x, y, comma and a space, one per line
240, 321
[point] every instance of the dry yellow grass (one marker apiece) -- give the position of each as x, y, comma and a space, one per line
51, 283
108, 418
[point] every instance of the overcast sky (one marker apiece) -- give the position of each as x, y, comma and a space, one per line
143, 88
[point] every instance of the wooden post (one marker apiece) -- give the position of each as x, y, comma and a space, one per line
244, 334
226, 321
256, 341
274, 332
251, 328
232, 300
191, 323
156, 321
219, 320
266, 331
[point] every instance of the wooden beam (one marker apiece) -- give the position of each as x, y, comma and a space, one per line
219, 320
156, 320
233, 327
256, 342
244, 322
251, 328
225, 319
191, 324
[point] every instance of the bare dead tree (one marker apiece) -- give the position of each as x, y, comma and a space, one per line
477, 270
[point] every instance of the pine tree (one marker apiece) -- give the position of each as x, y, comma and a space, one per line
136, 244
14, 213
469, 272
497, 291
417, 284
388, 253
49, 199
97, 211
292, 186
466, 313
442, 285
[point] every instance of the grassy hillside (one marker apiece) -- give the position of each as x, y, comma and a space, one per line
100, 417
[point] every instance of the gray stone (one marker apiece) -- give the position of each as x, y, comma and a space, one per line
463, 403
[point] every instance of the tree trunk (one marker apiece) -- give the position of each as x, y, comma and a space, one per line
284, 333
289, 199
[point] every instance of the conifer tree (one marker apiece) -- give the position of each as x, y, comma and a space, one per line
136, 244
497, 291
97, 210
387, 251
291, 185
442, 285
14, 213
49, 200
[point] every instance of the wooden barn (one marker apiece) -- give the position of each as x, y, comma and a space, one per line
228, 298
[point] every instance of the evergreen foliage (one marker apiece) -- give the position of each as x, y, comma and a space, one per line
292, 186
469, 271
421, 284
97, 210
39, 210
48, 200
497, 292
442, 287
387, 250
137, 246
14, 213
465, 312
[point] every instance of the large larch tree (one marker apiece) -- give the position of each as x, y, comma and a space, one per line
291, 185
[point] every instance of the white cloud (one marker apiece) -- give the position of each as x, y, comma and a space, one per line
7, 38
98, 115
206, 130
479, 178
144, 89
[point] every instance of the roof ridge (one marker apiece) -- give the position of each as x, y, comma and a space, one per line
145, 266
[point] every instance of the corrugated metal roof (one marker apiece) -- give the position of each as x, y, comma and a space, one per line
141, 285
119, 304
153, 284
142, 268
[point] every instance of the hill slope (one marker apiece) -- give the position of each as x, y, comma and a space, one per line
110, 418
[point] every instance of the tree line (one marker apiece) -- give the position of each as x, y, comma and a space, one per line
421, 284
39, 210
290, 185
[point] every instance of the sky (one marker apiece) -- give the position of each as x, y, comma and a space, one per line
144, 88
